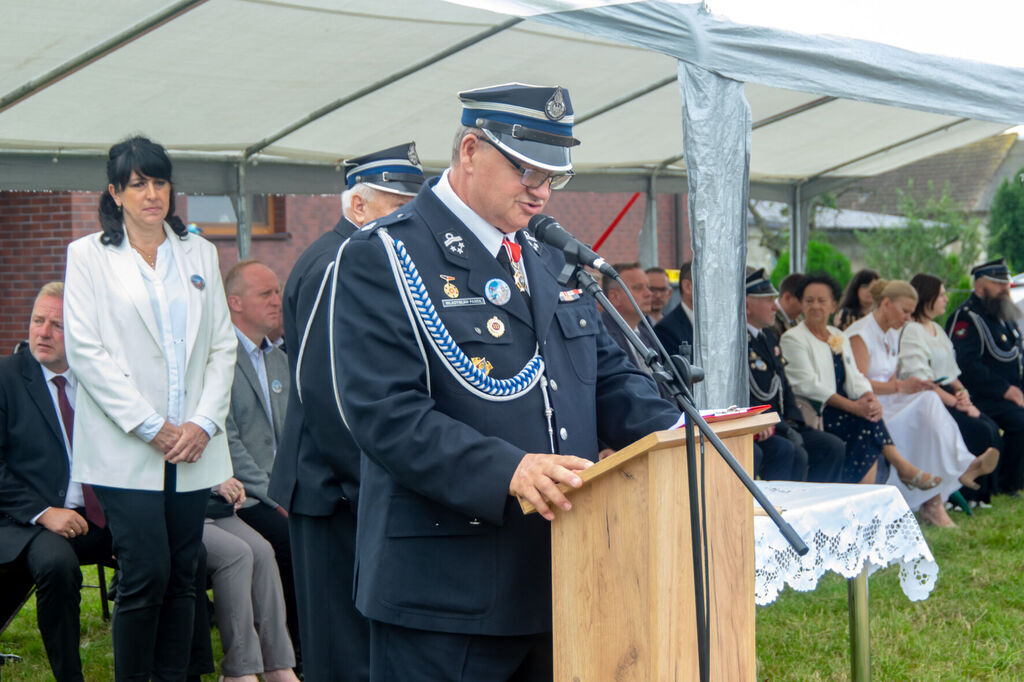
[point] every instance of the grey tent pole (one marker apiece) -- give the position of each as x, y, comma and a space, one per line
647, 247
242, 211
716, 134
798, 236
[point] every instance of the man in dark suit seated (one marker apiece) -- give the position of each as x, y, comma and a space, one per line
49, 525
316, 472
676, 328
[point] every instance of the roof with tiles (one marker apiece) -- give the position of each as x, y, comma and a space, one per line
973, 172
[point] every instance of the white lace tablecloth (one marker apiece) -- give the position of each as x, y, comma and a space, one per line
846, 528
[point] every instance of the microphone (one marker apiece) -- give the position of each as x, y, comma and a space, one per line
550, 232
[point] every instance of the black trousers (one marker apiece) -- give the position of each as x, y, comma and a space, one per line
52, 562
779, 459
274, 529
157, 537
1009, 474
335, 636
825, 455
979, 433
407, 655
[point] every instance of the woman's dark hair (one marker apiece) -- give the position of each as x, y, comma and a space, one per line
850, 300
928, 288
144, 157
819, 278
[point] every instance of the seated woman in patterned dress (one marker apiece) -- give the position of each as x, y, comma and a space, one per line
917, 421
821, 368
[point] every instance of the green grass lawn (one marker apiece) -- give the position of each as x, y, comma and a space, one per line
970, 628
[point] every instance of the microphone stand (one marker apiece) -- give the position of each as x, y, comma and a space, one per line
677, 380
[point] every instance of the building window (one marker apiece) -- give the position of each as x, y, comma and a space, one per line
215, 214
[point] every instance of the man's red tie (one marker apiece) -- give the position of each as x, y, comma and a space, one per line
93, 510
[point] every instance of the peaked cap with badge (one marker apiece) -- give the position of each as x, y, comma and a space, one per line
396, 170
994, 270
531, 122
758, 284
448, 374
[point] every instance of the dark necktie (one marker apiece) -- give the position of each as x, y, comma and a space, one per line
93, 511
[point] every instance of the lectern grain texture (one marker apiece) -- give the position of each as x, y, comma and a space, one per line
622, 576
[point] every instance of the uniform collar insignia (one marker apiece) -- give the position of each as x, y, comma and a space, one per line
453, 243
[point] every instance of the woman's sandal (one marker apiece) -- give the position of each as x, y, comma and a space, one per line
921, 480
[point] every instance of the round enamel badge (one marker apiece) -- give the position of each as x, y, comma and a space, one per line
497, 291
496, 327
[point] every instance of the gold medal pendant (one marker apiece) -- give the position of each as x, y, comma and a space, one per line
450, 290
482, 365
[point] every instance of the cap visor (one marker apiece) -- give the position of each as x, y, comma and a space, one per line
407, 189
547, 157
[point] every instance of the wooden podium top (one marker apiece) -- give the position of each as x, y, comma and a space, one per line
660, 440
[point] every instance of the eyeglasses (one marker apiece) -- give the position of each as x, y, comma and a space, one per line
532, 178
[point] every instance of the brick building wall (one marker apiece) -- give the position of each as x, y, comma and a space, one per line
36, 227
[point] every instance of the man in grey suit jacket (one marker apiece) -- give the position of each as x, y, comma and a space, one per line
259, 397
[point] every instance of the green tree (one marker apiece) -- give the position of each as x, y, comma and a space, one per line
821, 257
1006, 222
939, 238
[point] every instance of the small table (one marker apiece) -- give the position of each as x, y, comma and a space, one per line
852, 530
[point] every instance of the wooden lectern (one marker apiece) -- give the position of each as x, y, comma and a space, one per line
622, 570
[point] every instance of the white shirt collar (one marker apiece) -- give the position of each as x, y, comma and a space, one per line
687, 310
488, 234
250, 347
67, 374
754, 331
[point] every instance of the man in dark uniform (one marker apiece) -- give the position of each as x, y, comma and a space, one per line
316, 472
788, 307
636, 279
464, 368
676, 328
988, 346
819, 456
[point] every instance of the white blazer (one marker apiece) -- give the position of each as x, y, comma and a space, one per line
809, 367
113, 346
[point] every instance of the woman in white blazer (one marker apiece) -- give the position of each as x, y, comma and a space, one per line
820, 367
149, 337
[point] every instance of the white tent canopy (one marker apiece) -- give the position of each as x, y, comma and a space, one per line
269, 95
216, 80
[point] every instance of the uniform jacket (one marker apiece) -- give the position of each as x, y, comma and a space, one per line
674, 329
810, 369
766, 362
34, 467
251, 436
988, 350
317, 465
114, 348
441, 545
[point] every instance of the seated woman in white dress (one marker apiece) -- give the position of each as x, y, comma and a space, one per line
821, 369
918, 422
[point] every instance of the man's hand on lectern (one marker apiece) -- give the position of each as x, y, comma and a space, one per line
537, 477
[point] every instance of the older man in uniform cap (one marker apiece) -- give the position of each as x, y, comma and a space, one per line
471, 378
819, 455
988, 346
316, 472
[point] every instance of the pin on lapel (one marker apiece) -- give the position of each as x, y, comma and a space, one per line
275, 386
198, 282
497, 291
532, 241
